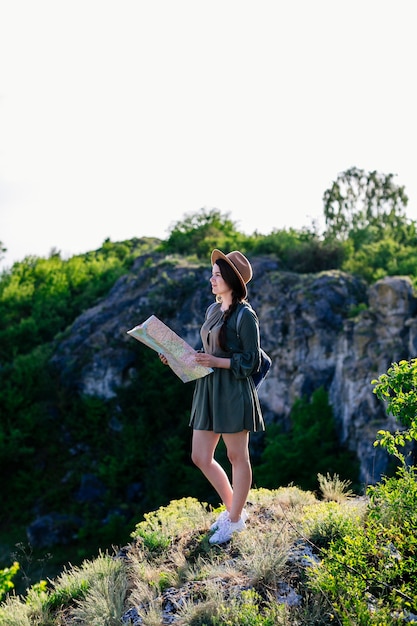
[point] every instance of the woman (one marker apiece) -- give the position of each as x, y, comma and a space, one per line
225, 403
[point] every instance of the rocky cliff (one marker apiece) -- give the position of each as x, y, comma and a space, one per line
328, 329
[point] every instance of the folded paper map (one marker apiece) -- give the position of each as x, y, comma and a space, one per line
179, 354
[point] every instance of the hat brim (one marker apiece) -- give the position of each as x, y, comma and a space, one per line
218, 254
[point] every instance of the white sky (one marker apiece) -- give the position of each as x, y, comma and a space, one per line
118, 117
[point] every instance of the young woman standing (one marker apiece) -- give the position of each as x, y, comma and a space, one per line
225, 403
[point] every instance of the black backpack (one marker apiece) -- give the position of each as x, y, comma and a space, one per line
266, 362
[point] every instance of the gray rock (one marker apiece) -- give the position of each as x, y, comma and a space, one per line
51, 530
328, 329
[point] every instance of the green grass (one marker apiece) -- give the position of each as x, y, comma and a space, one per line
301, 560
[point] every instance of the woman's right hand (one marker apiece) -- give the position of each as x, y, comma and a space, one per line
163, 358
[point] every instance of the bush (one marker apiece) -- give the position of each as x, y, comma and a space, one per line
371, 576
6, 578
160, 527
369, 572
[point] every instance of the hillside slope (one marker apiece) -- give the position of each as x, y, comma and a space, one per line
288, 567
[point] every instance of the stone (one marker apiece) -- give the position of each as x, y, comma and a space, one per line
327, 330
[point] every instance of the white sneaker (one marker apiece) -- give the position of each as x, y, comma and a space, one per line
224, 515
221, 518
226, 529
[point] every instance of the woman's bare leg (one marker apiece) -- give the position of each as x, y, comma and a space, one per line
237, 445
203, 448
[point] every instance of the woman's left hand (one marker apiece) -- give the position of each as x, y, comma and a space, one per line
207, 360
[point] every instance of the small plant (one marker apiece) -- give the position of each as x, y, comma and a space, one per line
93, 591
264, 556
327, 523
357, 309
398, 388
103, 604
160, 526
333, 488
371, 574
249, 609
6, 578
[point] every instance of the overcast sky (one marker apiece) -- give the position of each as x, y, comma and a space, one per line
118, 118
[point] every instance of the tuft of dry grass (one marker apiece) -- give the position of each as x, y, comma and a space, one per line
103, 603
333, 488
263, 556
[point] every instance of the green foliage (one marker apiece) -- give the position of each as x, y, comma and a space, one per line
302, 251
398, 389
370, 573
394, 500
161, 526
93, 593
199, 233
383, 257
328, 523
40, 297
312, 436
248, 609
370, 577
6, 578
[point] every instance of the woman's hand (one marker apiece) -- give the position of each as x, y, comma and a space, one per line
208, 360
163, 359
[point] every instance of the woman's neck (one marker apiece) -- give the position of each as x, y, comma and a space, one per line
225, 305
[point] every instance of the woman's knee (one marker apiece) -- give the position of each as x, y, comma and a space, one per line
203, 447
200, 459
238, 457
195, 457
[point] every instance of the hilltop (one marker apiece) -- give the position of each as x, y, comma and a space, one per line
303, 559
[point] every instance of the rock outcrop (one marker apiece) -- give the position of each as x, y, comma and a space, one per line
328, 329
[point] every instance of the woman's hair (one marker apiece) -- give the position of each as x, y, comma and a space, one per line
230, 278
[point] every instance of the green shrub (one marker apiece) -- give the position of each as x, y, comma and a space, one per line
6, 578
328, 523
369, 572
160, 527
371, 576
398, 389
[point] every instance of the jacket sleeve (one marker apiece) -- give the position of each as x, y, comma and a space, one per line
246, 359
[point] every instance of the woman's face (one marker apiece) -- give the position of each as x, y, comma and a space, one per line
218, 285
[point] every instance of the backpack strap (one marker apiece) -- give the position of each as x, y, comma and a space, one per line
265, 360
239, 319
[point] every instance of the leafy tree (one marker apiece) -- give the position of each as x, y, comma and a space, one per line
198, 233
358, 199
3, 249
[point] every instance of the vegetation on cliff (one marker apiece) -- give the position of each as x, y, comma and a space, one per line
301, 560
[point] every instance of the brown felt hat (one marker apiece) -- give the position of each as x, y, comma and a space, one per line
239, 264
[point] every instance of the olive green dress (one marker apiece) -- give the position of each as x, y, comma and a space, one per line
226, 401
